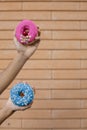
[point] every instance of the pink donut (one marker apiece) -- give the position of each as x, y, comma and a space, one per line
26, 31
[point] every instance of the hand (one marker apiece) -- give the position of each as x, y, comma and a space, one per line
29, 49
14, 107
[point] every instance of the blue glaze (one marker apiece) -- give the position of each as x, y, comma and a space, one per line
19, 100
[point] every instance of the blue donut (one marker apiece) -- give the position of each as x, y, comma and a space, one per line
22, 94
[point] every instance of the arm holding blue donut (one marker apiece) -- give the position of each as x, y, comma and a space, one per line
24, 53
5, 112
9, 109
21, 97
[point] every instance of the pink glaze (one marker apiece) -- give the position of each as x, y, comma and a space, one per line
26, 31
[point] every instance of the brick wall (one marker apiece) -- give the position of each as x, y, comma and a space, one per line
58, 69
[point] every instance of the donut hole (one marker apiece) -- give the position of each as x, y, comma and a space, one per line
25, 31
21, 94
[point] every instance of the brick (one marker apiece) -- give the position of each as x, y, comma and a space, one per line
43, 94
66, 64
69, 0
83, 54
83, 25
70, 129
70, 35
34, 15
69, 94
7, 44
69, 74
50, 123
83, 94
66, 94
72, 15
24, 0
10, 6
39, 64
50, 6
66, 114
6, 35
34, 74
69, 114
36, 0
84, 123
64, 74
51, 84
84, 64
82, 15
6, 54
83, 113
83, 84
58, 44
83, 6
65, 15
46, 35
84, 103
10, 123
83, 74
54, 104
8, 25
22, 129
65, 54
84, 44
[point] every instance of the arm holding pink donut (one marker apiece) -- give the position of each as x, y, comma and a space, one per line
24, 53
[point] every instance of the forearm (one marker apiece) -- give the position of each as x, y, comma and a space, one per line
9, 74
5, 112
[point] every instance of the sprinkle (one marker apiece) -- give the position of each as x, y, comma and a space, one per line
25, 39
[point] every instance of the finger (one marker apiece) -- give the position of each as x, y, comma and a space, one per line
18, 82
26, 107
37, 38
37, 43
30, 104
39, 32
37, 26
34, 90
14, 32
34, 42
24, 82
15, 39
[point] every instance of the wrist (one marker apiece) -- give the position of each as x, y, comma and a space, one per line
8, 107
24, 57
5, 112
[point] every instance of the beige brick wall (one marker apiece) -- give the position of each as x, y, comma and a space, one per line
58, 69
